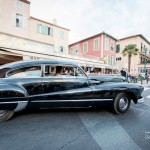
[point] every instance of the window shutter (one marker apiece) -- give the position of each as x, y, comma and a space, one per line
37, 28
109, 60
43, 29
114, 61
46, 30
52, 32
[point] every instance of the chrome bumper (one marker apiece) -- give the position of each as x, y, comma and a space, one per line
141, 100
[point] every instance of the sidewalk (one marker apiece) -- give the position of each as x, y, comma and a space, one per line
144, 83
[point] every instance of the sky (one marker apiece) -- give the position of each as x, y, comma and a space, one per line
85, 18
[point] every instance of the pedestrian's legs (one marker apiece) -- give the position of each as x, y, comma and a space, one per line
141, 80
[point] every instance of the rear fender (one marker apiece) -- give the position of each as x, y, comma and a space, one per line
13, 97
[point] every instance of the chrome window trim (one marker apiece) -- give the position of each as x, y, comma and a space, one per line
12, 69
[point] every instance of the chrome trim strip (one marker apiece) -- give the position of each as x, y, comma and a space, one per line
21, 105
141, 100
83, 100
8, 102
12, 102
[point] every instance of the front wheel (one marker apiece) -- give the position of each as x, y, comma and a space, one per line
121, 103
5, 115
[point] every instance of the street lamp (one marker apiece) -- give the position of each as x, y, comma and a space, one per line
145, 52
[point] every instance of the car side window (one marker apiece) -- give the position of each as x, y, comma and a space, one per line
62, 71
57, 71
26, 72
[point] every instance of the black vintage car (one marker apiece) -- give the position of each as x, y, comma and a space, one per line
37, 84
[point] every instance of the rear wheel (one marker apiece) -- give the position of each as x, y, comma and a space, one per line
5, 115
121, 103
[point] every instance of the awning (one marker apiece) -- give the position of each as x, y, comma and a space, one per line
7, 57
5, 52
27, 56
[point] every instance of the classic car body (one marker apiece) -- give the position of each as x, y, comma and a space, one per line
33, 84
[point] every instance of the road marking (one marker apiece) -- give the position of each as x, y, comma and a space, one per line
146, 88
148, 96
107, 132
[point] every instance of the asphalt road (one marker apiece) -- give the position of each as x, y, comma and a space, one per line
84, 129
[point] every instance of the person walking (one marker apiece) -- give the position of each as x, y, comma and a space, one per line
128, 77
147, 77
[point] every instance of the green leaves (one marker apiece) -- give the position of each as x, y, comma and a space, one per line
130, 50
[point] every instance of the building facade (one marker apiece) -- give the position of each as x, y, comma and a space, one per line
99, 47
139, 62
23, 37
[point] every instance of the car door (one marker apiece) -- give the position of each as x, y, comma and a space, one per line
58, 91
84, 92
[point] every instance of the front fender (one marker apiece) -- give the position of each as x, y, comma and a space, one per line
13, 97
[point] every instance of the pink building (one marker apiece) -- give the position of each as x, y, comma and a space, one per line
100, 47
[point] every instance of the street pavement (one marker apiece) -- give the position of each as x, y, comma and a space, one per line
79, 129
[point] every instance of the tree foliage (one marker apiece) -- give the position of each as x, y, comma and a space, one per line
130, 50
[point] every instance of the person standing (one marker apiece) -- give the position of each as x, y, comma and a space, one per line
128, 77
59, 70
147, 77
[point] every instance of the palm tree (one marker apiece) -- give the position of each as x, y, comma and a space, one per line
130, 50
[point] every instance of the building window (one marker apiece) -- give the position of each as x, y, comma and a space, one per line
19, 4
112, 46
62, 49
119, 58
19, 20
118, 48
74, 50
39, 28
141, 46
109, 60
85, 47
112, 60
106, 44
96, 44
44, 30
49, 31
62, 35
71, 50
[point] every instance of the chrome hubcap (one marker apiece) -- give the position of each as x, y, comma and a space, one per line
123, 103
2, 112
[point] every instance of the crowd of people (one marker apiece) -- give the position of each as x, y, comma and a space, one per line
134, 77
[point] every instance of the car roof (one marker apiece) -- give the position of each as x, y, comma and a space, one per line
36, 62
